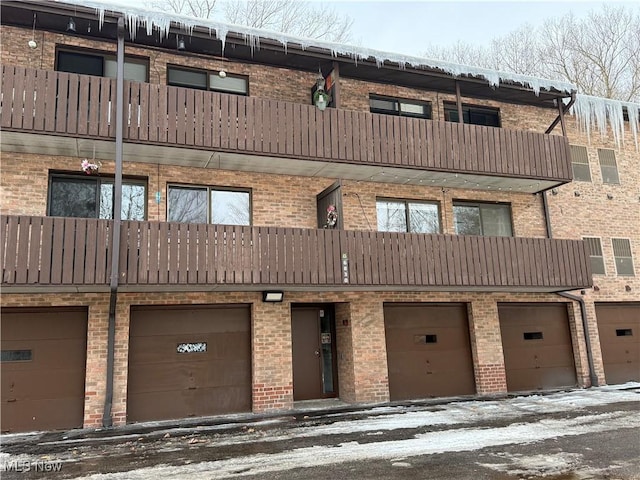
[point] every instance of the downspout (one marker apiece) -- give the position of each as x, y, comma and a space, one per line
583, 311
107, 421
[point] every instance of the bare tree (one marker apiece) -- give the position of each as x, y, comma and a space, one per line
294, 17
599, 53
194, 8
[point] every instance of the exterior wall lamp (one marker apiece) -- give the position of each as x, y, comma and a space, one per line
71, 26
321, 98
272, 296
181, 46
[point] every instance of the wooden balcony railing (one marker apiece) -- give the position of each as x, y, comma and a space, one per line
56, 103
60, 252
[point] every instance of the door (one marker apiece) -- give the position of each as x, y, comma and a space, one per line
43, 368
619, 329
313, 352
188, 361
428, 350
536, 341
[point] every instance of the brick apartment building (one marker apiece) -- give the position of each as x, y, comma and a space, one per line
425, 235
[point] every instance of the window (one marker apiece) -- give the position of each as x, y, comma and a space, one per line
208, 205
405, 216
595, 252
580, 163
92, 197
473, 115
101, 65
396, 106
488, 219
608, 165
622, 254
204, 80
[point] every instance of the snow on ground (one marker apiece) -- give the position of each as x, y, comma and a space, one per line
466, 429
457, 440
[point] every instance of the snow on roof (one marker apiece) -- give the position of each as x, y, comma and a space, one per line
161, 21
591, 112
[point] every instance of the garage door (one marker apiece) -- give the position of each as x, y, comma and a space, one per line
428, 351
537, 347
619, 329
188, 361
43, 368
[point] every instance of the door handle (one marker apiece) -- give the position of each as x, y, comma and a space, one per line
317, 352
11, 400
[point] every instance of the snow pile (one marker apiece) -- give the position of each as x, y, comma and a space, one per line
603, 113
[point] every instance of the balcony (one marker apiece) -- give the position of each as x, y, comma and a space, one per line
246, 133
71, 254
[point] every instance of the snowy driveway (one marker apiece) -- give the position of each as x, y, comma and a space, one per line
582, 434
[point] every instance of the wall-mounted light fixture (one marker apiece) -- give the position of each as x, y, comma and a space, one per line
596, 288
71, 26
576, 193
554, 191
627, 288
272, 296
321, 98
180, 44
609, 196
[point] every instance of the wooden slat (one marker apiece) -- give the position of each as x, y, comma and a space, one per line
17, 109
106, 85
35, 243
8, 78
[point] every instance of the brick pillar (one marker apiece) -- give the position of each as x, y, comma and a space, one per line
271, 361
580, 344
96, 369
121, 361
362, 352
344, 351
486, 347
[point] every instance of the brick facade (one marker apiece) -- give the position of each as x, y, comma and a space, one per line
290, 201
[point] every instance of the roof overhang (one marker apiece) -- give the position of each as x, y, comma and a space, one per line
268, 50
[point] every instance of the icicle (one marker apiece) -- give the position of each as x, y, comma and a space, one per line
606, 114
162, 22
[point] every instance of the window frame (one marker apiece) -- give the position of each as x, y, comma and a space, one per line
574, 163
616, 257
99, 180
209, 189
452, 107
479, 205
407, 203
605, 166
208, 74
399, 101
139, 59
592, 257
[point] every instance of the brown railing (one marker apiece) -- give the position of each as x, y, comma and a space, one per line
66, 251
69, 104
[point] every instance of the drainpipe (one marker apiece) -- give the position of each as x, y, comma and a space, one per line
107, 421
547, 216
583, 311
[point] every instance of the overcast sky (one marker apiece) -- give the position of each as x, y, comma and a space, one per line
409, 26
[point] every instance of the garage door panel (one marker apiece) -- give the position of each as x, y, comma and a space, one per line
43, 384
41, 325
159, 349
165, 383
196, 403
201, 375
619, 330
536, 340
175, 321
49, 414
428, 351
